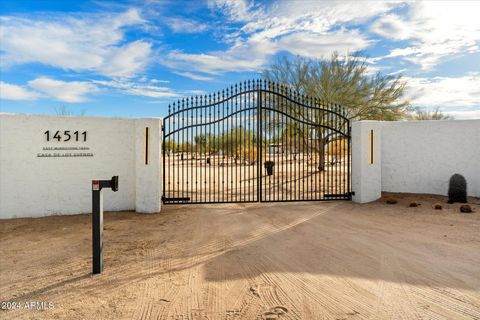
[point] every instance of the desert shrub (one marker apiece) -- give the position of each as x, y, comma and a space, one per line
337, 147
249, 155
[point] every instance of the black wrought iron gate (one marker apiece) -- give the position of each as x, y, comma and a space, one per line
255, 141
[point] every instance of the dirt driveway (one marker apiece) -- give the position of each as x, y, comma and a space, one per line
329, 260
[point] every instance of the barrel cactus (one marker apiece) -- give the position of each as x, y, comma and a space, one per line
457, 189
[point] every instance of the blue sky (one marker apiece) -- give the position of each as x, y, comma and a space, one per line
131, 58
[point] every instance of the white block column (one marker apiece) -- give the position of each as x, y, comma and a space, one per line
366, 163
148, 165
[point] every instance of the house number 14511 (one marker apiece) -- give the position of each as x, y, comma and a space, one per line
66, 135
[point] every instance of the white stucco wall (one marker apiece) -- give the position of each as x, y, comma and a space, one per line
421, 156
415, 157
32, 186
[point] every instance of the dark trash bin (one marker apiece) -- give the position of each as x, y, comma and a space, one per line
269, 167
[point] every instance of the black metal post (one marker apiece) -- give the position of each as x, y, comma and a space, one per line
97, 229
97, 220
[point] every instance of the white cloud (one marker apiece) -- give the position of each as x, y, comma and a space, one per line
312, 16
242, 57
212, 63
126, 61
434, 29
313, 29
455, 95
321, 45
465, 114
394, 27
151, 92
138, 89
159, 81
73, 91
92, 43
14, 92
254, 53
194, 76
235, 10
196, 92
182, 25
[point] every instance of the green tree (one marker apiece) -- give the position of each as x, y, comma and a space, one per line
435, 114
206, 143
200, 143
346, 81
238, 143
170, 146
293, 136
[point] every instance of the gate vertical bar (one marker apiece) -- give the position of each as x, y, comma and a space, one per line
251, 146
163, 155
349, 154
182, 149
259, 141
222, 146
303, 146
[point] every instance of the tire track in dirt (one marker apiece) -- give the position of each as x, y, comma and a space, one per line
240, 305
147, 300
428, 297
273, 285
277, 296
260, 233
186, 276
266, 289
391, 303
213, 293
303, 291
449, 303
159, 288
361, 305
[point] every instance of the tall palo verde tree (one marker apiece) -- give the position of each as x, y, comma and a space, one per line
343, 85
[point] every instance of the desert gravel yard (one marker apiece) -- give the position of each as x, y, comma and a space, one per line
317, 260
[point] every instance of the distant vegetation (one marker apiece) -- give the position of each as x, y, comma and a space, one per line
436, 114
63, 111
